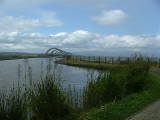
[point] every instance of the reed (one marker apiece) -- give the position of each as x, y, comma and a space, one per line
48, 100
12, 105
43, 100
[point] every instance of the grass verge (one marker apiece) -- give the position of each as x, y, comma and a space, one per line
99, 66
127, 106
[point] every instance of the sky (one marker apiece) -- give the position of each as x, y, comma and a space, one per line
88, 26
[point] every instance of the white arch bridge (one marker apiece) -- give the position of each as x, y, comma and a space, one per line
57, 52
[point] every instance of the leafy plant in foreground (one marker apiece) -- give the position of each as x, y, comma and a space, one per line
48, 100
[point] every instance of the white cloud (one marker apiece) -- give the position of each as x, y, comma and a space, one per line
79, 40
111, 17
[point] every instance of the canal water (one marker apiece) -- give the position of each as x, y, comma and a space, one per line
12, 71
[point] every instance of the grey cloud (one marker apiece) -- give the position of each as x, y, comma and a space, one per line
80, 40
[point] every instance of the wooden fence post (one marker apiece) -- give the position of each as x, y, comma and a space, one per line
128, 59
74, 58
148, 60
112, 60
99, 59
159, 62
119, 60
105, 60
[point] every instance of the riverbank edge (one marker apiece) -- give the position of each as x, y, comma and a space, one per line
98, 66
61, 61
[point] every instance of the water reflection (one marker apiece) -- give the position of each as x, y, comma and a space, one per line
12, 71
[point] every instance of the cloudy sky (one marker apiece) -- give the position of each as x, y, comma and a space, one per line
117, 26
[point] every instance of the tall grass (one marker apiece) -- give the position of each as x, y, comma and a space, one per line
12, 105
48, 100
43, 100
120, 82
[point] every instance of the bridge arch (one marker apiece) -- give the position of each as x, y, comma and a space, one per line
57, 52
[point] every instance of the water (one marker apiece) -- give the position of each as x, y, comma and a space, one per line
74, 76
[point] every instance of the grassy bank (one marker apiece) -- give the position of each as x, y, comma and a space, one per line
127, 106
127, 89
44, 100
99, 66
107, 65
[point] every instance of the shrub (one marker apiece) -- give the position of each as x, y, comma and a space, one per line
93, 92
137, 76
106, 87
121, 81
114, 87
48, 100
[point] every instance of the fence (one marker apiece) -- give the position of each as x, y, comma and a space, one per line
159, 62
115, 60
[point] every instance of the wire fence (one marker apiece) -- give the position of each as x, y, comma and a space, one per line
115, 60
